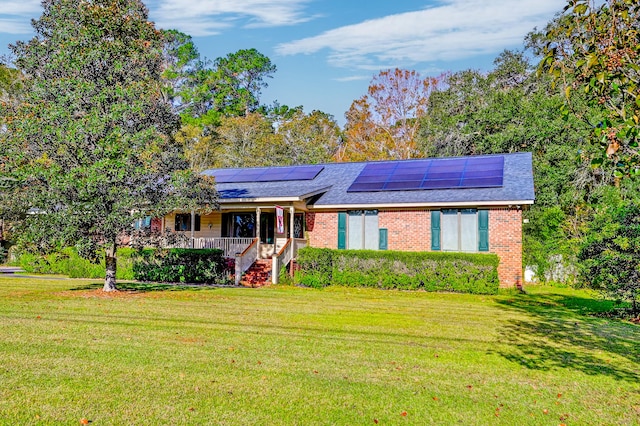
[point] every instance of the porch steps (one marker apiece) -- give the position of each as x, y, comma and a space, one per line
258, 275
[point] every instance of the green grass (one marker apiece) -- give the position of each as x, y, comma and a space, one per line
286, 355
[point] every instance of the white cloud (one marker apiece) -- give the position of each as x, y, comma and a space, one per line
10, 26
15, 16
353, 78
208, 17
455, 29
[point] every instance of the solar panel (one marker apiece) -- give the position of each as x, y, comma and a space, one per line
267, 174
434, 173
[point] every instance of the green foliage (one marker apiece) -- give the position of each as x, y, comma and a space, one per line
593, 51
257, 140
511, 109
457, 272
547, 239
206, 266
284, 277
240, 79
90, 142
610, 253
68, 262
11, 83
316, 265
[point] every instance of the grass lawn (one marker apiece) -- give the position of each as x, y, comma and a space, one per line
285, 355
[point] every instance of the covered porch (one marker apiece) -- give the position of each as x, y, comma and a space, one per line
246, 233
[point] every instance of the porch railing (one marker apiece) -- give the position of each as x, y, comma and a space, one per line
282, 258
245, 259
287, 253
229, 246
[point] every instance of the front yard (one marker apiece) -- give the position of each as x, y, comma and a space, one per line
285, 355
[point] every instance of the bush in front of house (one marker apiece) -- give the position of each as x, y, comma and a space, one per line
431, 271
198, 266
68, 262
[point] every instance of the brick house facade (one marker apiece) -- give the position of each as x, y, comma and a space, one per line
410, 230
464, 204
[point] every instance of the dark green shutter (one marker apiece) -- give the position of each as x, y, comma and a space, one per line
483, 230
383, 241
435, 230
342, 231
197, 222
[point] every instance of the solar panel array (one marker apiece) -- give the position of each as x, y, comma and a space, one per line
440, 173
267, 174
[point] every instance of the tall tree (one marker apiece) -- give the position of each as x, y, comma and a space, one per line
384, 123
309, 138
610, 252
511, 109
90, 143
593, 50
248, 141
239, 80
181, 65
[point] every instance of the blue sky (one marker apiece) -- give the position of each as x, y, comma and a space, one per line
326, 51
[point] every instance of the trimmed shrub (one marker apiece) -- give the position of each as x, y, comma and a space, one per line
431, 271
316, 265
198, 266
68, 262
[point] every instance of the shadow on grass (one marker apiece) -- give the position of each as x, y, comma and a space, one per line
140, 287
558, 335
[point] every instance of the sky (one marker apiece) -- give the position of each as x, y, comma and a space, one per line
327, 51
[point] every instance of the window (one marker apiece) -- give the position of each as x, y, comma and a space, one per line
461, 230
358, 229
298, 225
183, 222
239, 225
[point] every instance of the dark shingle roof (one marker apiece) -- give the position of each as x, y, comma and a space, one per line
332, 182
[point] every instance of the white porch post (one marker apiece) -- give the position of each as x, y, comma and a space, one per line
258, 232
292, 211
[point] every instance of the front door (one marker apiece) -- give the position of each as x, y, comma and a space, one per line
267, 222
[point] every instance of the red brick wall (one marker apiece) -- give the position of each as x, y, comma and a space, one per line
505, 239
322, 228
410, 230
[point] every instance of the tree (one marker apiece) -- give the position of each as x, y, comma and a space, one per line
90, 143
610, 253
594, 50
11, 84
248, 141
181, 62
309, 138
511, 109
239, 80
384, 123
11, 90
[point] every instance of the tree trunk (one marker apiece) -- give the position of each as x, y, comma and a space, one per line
110, 266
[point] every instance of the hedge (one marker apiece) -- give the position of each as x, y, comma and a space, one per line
199, 266
431, 271
68, 262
